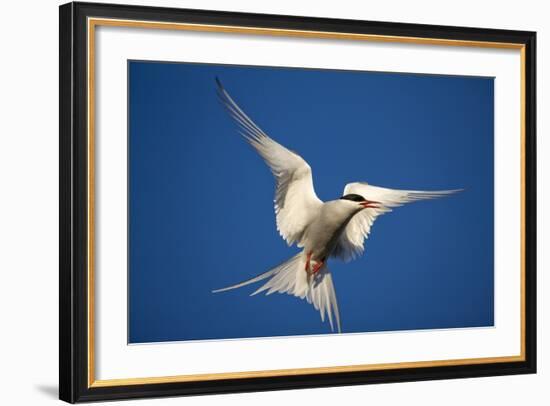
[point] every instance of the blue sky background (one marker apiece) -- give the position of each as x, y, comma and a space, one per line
201, 200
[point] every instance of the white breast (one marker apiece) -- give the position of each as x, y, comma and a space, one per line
323, 232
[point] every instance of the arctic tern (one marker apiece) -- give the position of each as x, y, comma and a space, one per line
332, 229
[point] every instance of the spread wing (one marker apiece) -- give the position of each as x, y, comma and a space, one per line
295, 198
351, 242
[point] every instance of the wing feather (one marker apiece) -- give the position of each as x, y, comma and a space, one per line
295, 199
351, 243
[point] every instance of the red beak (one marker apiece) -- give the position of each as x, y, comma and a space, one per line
367, 204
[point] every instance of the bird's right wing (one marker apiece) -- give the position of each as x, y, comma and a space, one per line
351, 243
295, 198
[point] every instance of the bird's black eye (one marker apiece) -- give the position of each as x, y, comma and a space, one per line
353, 197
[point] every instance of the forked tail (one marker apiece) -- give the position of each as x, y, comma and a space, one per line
290, 277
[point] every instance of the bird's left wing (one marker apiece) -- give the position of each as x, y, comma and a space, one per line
351, 243
295, 198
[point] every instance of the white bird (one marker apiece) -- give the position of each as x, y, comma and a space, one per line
336, 228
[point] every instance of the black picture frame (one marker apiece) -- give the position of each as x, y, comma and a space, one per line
74, 385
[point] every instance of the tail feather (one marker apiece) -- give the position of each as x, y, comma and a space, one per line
247, 282
323, 298
286, 279
290, 277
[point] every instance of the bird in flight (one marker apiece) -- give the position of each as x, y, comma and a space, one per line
332, 229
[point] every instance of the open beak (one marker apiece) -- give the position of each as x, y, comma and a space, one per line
368, 204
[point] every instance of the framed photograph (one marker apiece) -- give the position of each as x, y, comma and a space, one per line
256, 202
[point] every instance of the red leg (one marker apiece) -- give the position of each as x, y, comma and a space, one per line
308, 259
317, 267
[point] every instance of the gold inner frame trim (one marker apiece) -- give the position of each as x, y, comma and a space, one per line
94, 22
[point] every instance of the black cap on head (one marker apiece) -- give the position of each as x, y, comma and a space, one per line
353, 197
